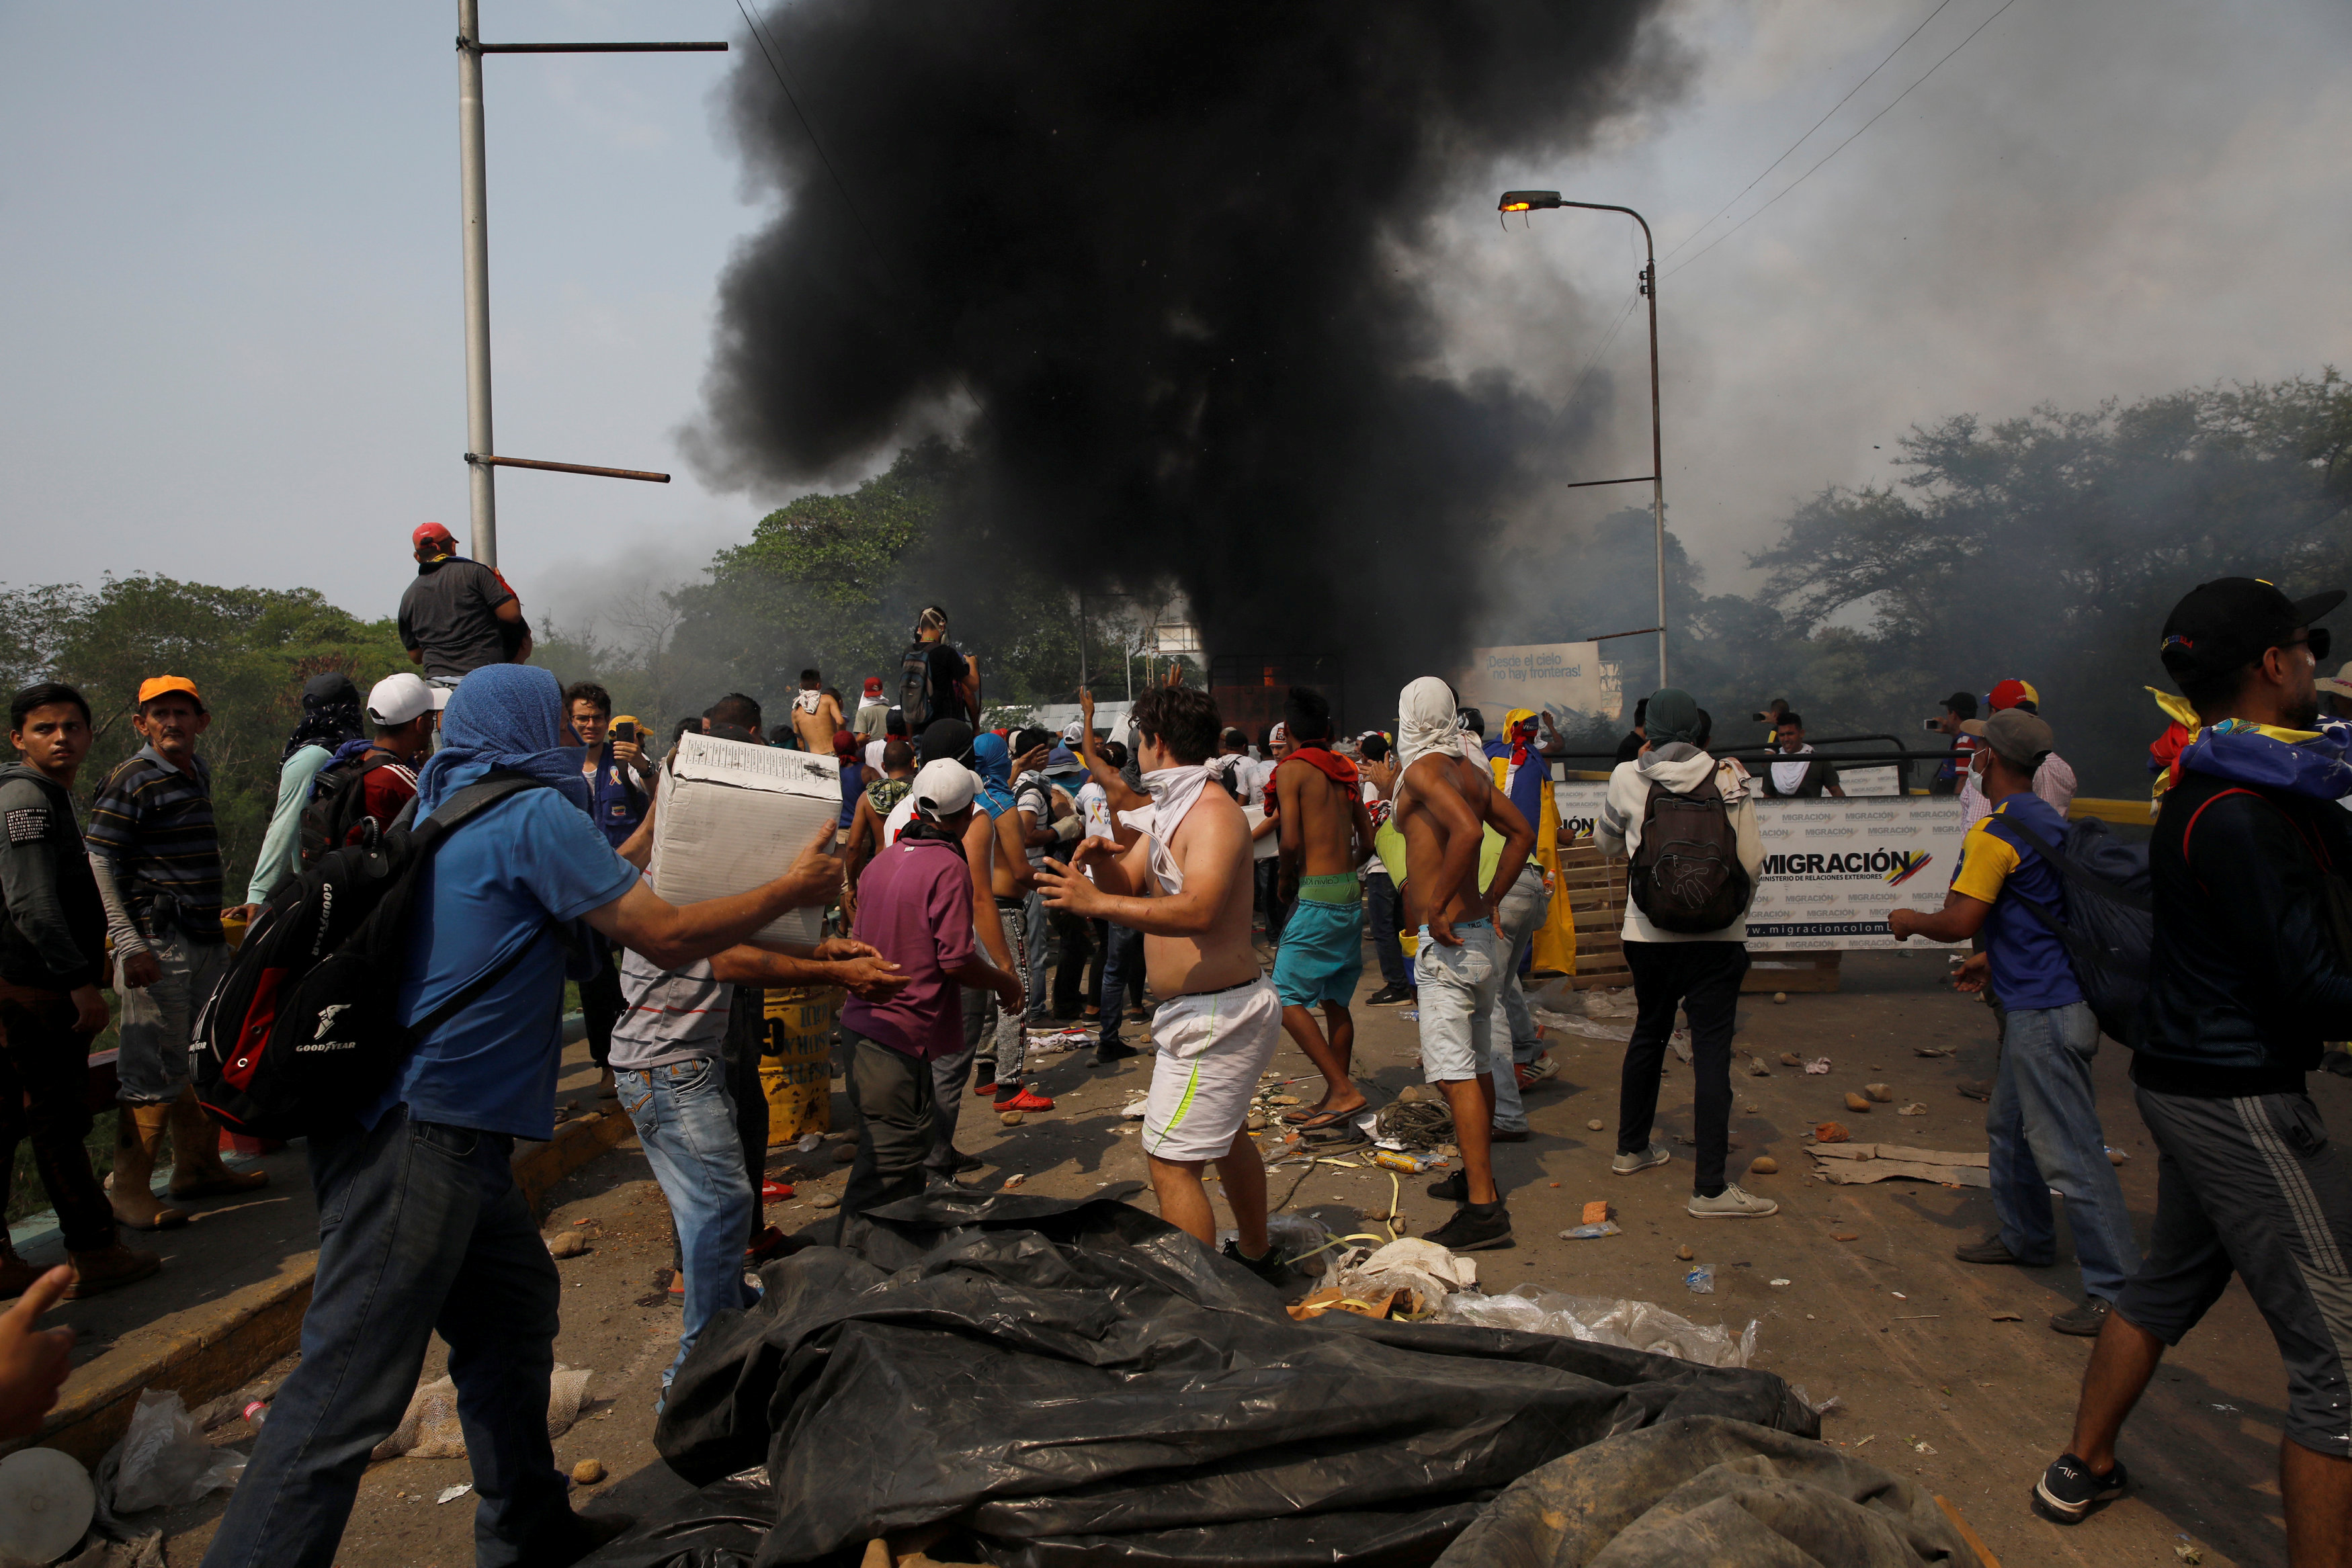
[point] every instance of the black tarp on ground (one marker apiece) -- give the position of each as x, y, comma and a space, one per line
1702, 1490
1072, 1382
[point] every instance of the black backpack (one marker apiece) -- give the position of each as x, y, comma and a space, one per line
338, 802
301, 1034
915, 688
1686, 875
2110, 929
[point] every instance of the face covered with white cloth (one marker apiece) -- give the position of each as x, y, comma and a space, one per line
1425, 712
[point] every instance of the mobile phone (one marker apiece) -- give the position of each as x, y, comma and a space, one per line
625, 732
1932, 725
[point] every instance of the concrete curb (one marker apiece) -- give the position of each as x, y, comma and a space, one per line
247, 1330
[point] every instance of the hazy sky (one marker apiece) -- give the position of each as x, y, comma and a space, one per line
230, 319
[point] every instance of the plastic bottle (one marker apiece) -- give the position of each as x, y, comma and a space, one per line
1701, 1280
256, 1413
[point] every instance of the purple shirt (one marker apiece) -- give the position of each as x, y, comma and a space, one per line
914, 905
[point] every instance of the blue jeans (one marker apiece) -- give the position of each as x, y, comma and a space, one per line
1039, 949
1518, 915
686, 1118
421, 1228
2043, 1131
1122, 978
1380, 914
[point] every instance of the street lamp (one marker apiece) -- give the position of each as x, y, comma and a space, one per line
1531, 201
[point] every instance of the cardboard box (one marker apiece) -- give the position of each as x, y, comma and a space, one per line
733, 816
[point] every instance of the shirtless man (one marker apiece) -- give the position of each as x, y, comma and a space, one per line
816, 715
1444, 802
1326, 834
1186, 886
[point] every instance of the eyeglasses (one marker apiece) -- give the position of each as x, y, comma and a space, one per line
2319, 640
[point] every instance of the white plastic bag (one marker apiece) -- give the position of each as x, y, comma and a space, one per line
1628, 1325
162, 1460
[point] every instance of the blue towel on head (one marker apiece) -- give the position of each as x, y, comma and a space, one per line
503, 716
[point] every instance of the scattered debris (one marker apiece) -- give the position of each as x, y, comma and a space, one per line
429, 1428
2227, 1409
2189, 1554
1134, 1109
2009, 1317
1922, 1447
1879, 1091
1819, 1066
1763, 1164
570, 1244
826, 1200
1596, 1123
1701, 1280
1757, 1068
1791, 1059
1844, 1235
1332, 1299
1591, 1231
1750, 1108
588, 1472
2116, 1156
1856, 1104
1975, 1087
1917, 1108
1685, 1253
1015, 1179
1829, 1133
451, 1494
1628, 1325
162, 1460
1011, 1118
1780, 1281
1779, 995
1931, 1051
1586, 1026
1281, 1098
1858, 1163
1834, 1403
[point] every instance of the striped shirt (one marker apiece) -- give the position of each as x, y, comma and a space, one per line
155, 823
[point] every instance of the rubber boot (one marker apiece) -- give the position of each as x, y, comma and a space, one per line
17, 1276
108, 1267
130, 1188
196, 1168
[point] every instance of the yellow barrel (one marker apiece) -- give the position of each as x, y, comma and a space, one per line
797, 1061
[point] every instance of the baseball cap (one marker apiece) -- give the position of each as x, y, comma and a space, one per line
397, 699
432, 531
2228, 623
154, 686
2340, 682
1074, 732
844, 745
943, 788
2018, 738
1062, 760
2010, 693
1964, 704
873, 685
946, 740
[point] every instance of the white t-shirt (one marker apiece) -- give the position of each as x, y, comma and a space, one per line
895, 822
1372, 863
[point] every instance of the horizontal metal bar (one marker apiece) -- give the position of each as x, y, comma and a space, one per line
1637, 632
600, 49
1588, 484
566, 468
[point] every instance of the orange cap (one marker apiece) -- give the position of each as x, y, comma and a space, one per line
154, 686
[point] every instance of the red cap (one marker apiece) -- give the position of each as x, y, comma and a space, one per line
874, 685
433, 531
2009, 693
845, 743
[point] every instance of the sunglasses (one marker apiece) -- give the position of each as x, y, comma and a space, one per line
2317, 639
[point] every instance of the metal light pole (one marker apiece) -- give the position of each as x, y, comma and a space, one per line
1528, 201
475, 220
473, 198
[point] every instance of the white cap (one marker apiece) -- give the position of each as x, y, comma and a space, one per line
1074, 732
943, 788
397, 699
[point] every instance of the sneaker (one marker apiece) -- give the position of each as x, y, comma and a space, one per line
1992, 1250
765, 1244
1474, 1227
1388, 995
2067, 1489
1508, 1135
986, 1086
1455, 1188
1268, 1268
958, 1161
1530, 1074
1731, 1203
1117, 1051
1975, 1087
1024, 1100
2086, 1319
1626, 1164
772, 1191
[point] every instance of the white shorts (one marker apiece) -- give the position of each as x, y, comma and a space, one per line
1212, 1047
1458, 988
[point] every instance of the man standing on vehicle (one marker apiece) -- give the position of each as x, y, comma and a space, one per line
458, 615
156, 856
424, 1229
2247, 977
1185, 885
935, 680
1444, 803
2043, 1126
52, 963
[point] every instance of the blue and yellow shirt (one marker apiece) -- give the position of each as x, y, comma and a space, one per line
2029, 967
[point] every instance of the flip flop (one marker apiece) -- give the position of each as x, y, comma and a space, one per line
1312, 1121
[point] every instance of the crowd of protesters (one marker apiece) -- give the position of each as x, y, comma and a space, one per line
1167, 869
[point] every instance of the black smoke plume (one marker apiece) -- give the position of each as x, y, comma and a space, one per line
1168, 261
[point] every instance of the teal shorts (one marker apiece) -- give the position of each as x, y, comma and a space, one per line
1322, 953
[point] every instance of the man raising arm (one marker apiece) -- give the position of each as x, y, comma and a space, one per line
1186, 886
